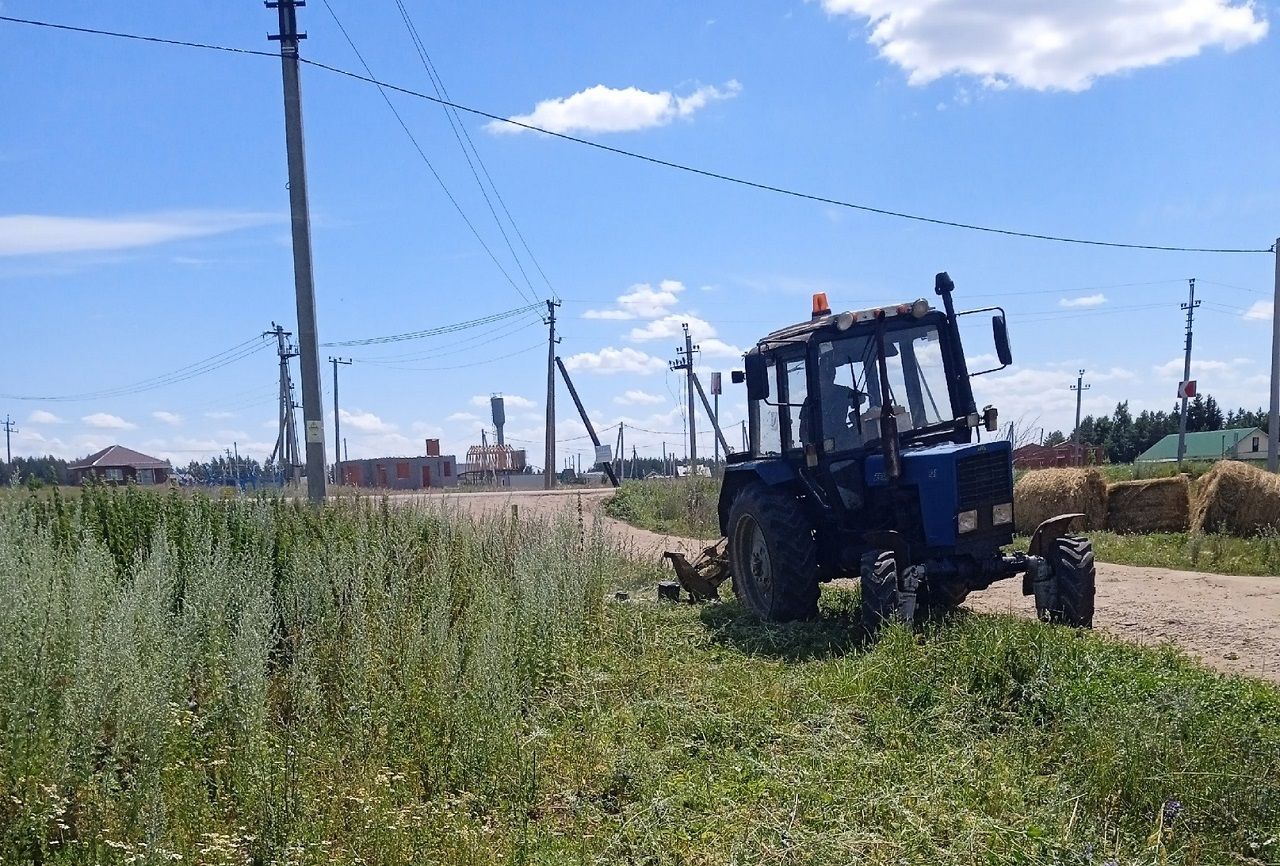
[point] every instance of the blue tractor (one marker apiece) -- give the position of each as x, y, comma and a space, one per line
866, 459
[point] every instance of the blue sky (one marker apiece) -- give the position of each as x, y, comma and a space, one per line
143, 209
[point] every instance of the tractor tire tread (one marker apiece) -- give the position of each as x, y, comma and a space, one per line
1075, 582
793, 555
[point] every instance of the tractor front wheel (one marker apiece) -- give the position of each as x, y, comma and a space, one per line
886, 598
1072, 583
772, 555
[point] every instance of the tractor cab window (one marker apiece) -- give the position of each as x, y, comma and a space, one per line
797, 389
852, 393
766, 423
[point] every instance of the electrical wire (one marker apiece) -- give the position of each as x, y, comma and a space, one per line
435, 332
182, 374
414, 141
538, 345
713, 175
447, 349
460, 131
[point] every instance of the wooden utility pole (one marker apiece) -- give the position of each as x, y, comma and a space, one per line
303, 281
549, 461
337, 419
1190, 307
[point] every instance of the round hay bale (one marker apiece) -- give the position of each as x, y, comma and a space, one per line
1046, 493
1238, 499
1157, 505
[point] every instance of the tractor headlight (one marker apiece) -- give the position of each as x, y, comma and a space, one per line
1002, 514
967, 521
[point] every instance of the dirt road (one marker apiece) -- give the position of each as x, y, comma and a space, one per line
1231, 623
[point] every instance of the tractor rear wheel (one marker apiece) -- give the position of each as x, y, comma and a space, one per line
883, 600
772, 555
1073, 585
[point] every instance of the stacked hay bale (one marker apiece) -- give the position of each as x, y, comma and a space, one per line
1157, 505
1046, 493
1238, 499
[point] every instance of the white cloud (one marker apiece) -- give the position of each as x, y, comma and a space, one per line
716, 348
40, 416
366, 422
1047, 44
642, 301
608, 109
1210, 366
28, 234
171, 418
635, 397
610, 360
463, 417
104, 421
1260, 311
1084, 301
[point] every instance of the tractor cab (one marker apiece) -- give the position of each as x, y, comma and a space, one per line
867, 459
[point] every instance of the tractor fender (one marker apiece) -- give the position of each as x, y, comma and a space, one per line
1048, 531
770, 473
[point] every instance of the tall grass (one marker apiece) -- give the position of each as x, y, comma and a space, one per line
679, 506
175, 672
252, 681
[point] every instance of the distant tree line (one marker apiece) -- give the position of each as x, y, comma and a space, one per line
1123, 437
35, 471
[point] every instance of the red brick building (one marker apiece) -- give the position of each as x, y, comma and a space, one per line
1047, 457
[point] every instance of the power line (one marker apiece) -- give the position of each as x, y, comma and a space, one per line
414, 141
459, 132
182, 374
435, 332
714, 175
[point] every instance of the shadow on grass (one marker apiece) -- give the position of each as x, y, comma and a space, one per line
837, 630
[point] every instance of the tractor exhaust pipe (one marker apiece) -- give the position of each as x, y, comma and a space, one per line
889, 441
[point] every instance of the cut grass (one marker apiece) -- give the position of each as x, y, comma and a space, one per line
240, 682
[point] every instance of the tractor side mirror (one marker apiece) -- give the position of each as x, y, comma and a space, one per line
737, 377
756, 375
1000, 331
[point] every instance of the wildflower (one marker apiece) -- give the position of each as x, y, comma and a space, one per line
1172, 809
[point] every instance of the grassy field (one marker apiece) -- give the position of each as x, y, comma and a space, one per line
254, 682
689, 508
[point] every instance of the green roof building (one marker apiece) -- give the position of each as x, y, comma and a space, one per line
1242, 443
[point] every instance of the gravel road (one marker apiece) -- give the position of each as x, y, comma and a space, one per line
1231, 623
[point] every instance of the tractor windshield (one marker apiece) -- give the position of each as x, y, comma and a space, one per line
852, 393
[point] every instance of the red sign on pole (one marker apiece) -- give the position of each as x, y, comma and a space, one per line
1187, 388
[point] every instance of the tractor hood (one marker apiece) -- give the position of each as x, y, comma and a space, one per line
951, 479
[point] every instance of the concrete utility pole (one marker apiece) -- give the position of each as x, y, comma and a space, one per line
1079, 387
9, 430
548, 472
286, 447
337, 419
1273, 417
303, 283
1190, 307
685, 362
586, 422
